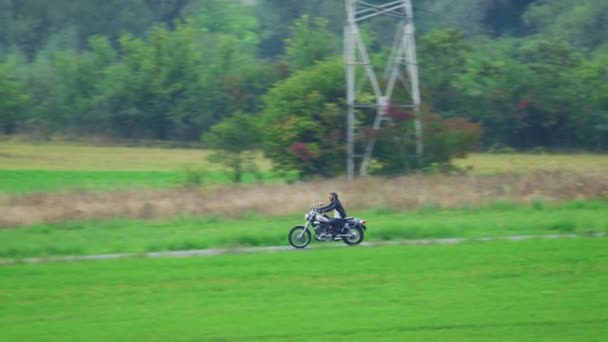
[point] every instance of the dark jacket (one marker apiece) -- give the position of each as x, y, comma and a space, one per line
334, 205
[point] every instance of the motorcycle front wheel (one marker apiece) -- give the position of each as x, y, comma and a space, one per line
355, 237
299, 237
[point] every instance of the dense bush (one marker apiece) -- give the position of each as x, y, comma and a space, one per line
303, 125
304, 128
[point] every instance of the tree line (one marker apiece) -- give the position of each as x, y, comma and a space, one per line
494, 74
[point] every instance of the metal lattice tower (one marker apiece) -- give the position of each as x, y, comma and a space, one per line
401, 66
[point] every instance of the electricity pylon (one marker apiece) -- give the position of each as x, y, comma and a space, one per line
401, 66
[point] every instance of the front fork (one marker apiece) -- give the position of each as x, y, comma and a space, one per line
304, 230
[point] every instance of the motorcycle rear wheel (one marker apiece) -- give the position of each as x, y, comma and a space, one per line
298, 241
355, 238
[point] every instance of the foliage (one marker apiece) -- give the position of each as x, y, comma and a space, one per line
309, 42
581, 23
491, 90
225, 17
33, 25
443, 140
156, 91
531, 72
593, 127
235, 139
526, 93
278, 16
443, 56
302, 121
304, 128
14, 101
449, 138
163, 86
465, 15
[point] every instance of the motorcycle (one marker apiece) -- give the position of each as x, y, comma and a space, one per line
352, 233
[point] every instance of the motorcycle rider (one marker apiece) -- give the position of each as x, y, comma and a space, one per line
337, 223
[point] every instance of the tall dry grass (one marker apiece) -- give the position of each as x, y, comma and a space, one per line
400, 193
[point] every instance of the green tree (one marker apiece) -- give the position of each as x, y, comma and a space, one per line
494, 89
443, 55
156, 91
303, 121
32, 24
555, 95
235, 140
14, 101
581, 23
304, 126
276, 17
309, 42
593, 75
466, 16
226, 18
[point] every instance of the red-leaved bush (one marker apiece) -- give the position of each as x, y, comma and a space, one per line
301, 151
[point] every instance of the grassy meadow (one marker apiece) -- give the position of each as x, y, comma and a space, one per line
135, 236
60, 182
43, 181
61, 199
537, 290
490, 164
30, 168
52, 167
32, 181
79, 157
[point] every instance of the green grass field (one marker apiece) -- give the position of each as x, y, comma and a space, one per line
537, 290
32, 181
76, 157
27, 168
502, 290
113, 236
29, 181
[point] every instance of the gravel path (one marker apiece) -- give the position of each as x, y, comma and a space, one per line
276, 249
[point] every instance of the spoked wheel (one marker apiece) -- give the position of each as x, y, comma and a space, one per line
355, 237
299, 237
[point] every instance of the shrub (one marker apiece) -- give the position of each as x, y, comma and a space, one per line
192, 176
303, 125
443, 140
500, 149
